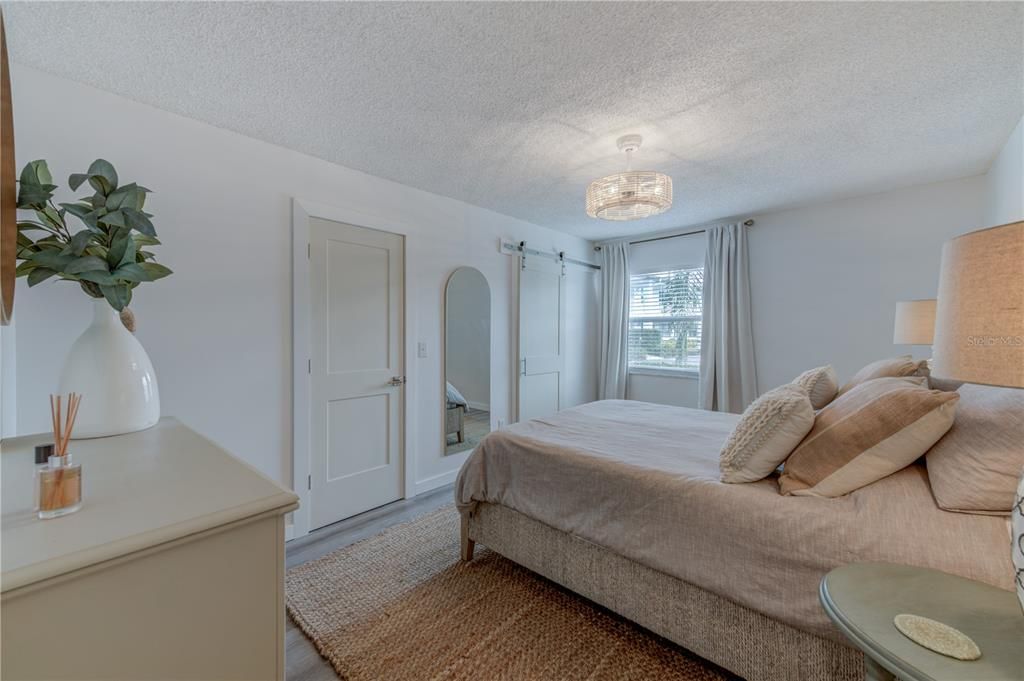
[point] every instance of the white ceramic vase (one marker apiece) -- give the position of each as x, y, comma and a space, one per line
1018, 540
110, 369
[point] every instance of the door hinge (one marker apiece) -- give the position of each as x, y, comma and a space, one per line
308, 249
309, 482
309, 366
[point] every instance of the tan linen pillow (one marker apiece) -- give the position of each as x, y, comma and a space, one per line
821, 385
766, 433
872, 431
975, 466
904, 365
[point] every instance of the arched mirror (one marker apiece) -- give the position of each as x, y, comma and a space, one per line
467, 360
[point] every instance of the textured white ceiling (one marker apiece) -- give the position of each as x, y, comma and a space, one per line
516, 106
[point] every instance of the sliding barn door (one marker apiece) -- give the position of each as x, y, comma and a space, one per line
541, 337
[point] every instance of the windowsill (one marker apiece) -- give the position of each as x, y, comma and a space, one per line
691, 374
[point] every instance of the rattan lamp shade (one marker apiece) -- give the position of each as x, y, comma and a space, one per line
979, 320
915, 322
630, 195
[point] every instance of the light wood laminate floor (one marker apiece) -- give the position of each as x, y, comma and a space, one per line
302, 661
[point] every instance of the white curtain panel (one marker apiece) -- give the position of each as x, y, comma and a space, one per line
614, 326
728, 380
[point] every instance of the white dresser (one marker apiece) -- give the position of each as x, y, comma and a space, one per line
172, 569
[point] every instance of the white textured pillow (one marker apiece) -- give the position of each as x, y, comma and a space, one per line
771, 427
821, 385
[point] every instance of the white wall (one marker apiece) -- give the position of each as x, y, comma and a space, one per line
679, 391
219, 330
1004, 182
825, 279
467, 337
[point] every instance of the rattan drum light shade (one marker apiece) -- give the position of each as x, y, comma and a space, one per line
632, 194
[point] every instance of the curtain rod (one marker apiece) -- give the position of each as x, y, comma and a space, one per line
746, 223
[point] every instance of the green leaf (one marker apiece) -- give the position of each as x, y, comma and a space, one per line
24, 268
138, 220
128, 196
52, 259
102, 176
24, 240
156, 270
91, 289
116, 219
36, 173
103, 278
119, 244
80, 240
75, 180
26, 225
34, 195
39, 275
145, 240
118, 295
86, 263
82, 211
132, 272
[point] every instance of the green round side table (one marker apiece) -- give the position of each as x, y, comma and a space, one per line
863, 598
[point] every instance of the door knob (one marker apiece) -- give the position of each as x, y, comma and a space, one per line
397, 380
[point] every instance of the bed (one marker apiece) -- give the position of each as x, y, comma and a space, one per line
621, 502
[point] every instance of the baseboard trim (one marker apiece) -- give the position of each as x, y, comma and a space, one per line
433, 482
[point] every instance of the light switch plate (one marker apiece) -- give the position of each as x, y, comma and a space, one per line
421, 350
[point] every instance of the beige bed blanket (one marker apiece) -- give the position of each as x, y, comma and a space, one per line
642, 480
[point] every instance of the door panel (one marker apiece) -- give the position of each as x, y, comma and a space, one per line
356, 299
357, 277
357, 430
541, 337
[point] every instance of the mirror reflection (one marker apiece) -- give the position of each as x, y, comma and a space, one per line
467, 360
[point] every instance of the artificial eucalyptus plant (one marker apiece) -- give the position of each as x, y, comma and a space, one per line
108, 258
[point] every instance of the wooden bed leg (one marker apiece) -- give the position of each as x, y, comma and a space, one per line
466, 544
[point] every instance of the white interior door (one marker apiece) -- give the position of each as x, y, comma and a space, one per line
356, 369
541, 337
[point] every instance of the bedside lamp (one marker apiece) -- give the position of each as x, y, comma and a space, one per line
979, 326
914, 323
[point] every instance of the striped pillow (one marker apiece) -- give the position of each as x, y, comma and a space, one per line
874, 430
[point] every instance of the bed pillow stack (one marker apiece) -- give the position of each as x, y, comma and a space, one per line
767, 432
871, 430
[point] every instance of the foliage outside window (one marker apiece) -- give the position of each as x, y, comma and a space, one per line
665, 311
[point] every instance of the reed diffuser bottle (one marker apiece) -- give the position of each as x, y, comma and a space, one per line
60, 481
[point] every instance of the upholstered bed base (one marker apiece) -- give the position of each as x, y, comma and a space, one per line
745, 642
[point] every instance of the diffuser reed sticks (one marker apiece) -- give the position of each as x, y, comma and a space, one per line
62, 430
60, 483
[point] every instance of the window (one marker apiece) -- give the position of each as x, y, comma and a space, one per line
665, 319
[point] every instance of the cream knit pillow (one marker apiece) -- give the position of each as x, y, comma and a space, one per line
767, 432
821, 385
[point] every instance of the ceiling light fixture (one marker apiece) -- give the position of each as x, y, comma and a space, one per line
632, 194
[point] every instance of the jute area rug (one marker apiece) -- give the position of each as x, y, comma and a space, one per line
401, 606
